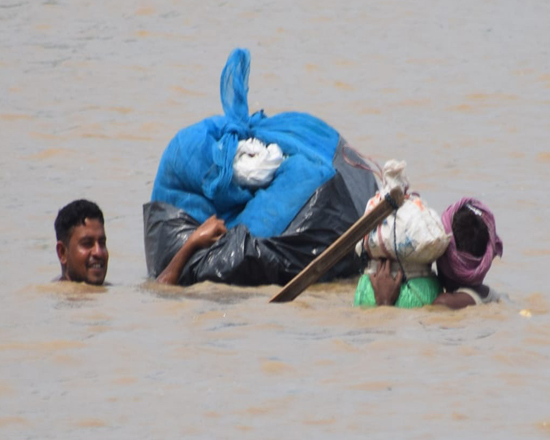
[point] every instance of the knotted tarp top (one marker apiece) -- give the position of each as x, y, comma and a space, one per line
195, 172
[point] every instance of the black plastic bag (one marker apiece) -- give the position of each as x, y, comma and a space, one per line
242, 259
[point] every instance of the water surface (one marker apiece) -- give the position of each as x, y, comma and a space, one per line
92, 92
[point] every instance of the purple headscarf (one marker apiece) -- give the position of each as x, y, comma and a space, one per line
462, 267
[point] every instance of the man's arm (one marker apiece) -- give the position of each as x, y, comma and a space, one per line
456, 300
463, 297
205, 235
386, 288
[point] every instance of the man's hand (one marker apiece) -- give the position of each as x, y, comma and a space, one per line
204, 236
386, 288
208, 233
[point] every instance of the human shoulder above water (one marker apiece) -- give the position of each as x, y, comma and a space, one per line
82, 244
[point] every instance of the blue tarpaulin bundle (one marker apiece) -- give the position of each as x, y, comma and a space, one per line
274, 232
196, 170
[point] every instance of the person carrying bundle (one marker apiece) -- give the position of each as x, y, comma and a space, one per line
463, 243
405, 244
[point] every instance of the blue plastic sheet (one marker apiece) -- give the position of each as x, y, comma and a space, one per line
196, 169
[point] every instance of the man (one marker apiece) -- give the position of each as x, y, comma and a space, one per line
82, 244
462, 268
469, 256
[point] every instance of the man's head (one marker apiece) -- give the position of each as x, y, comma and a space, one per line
470, 231
81, 242
474, 243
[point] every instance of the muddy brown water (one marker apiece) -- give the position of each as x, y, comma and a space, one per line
91, 93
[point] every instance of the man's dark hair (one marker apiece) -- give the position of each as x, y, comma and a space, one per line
470, 232
74, 214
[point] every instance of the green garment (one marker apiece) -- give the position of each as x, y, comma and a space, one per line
416, 292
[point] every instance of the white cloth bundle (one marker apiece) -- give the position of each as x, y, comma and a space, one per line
255, 163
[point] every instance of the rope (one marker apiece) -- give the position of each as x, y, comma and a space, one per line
378, 172
393, 204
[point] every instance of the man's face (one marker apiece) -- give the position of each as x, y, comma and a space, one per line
85, 257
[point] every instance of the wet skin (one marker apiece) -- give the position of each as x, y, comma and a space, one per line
85, 257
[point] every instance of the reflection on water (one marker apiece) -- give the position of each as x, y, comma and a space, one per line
93, 92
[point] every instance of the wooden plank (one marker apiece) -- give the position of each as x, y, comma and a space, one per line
339, 249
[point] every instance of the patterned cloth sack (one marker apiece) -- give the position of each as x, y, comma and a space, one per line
414, 234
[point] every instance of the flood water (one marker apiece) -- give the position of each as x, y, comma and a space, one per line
91, 92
